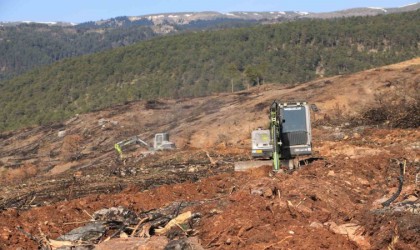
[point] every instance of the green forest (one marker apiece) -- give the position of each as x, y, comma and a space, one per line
26, 46
201, 63
29, 45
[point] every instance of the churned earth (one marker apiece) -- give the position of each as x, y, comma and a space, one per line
53, 178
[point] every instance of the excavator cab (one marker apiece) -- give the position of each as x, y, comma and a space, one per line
162, 142
290, 127
295, 129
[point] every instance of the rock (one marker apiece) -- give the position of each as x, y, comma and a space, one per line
5, 235
268, 192
316, 224
291, 232
89, 232
352, 231
215, 211
120, 214
61, 133
363, 182
105, 124
256, 192
304, 210
331, 173
102, 121
332, 226
185, 243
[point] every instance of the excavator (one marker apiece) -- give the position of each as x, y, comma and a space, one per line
161, 142
288, 140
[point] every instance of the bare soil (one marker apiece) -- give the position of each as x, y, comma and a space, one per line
54, 177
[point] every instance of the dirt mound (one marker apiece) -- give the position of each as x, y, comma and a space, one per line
255, 210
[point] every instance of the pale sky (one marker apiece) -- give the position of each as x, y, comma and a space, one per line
78, 11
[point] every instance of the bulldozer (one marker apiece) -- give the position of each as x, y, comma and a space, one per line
160, 142
287, 142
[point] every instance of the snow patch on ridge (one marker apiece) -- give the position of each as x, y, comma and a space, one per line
378, 8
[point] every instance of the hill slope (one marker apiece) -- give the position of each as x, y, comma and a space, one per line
49, 182
207, 62
207, 121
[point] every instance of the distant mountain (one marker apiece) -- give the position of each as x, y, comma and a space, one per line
408, 7
187, 18
369, 11
168, 22
26, 45
28, 22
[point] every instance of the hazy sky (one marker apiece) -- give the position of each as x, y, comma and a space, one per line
92, 10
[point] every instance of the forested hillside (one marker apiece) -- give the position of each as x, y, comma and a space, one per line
27, 46
201, 63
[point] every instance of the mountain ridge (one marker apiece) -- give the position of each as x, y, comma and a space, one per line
178, 17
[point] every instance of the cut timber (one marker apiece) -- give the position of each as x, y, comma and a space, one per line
180, 219
246, 165
285, 164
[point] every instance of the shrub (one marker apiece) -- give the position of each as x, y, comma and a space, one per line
398, 107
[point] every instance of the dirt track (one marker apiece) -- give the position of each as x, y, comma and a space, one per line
51, 182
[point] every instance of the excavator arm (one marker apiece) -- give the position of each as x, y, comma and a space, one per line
275, 134
119, 146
